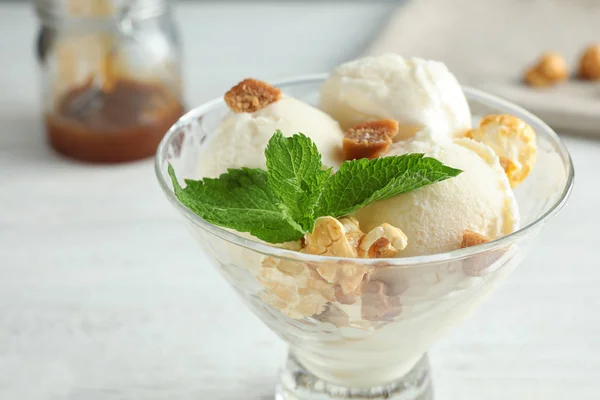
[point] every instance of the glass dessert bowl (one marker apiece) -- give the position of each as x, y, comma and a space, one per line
372, 346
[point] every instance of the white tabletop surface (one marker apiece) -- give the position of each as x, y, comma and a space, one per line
104, 295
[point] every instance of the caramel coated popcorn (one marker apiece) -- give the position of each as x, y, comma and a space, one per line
383, 241
550, 69
329, 237
513, 141
589, 64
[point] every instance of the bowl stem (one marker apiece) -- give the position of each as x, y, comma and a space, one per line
297, 383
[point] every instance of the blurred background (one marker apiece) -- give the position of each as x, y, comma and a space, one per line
105, 295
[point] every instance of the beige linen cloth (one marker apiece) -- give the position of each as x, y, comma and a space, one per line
488, 44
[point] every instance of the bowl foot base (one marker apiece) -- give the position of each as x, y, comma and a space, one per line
297, 383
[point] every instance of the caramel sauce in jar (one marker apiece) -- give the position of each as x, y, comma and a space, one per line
111, 76
125, 123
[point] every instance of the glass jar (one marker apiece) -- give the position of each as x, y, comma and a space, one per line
111, 79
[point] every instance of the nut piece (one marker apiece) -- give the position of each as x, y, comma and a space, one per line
589, 64
550, 69
302, 289
251, 95
471, 238
294, 288
346, 279
513, 141
382, 241
370, 139
339, 238
352, 230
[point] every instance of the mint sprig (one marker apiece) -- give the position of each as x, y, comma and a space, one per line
359, 183
282, 203
296, 175
242, 200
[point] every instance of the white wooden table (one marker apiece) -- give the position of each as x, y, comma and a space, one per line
104, 295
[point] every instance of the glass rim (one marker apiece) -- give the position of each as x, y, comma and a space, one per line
412, 261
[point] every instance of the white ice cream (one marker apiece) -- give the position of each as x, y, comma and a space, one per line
417, 93
434, 217
340, 342
241, 138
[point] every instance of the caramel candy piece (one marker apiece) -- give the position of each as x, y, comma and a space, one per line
370, 139
251, 95
550, 69
589, 64
471, 238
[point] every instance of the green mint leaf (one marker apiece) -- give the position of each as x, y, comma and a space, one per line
242, 200
359, 183
295, 173
282, 203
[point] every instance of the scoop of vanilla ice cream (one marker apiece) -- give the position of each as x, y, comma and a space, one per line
434, 217
241, 138
417, 93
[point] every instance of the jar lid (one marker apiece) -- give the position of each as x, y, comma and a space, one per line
99, 10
